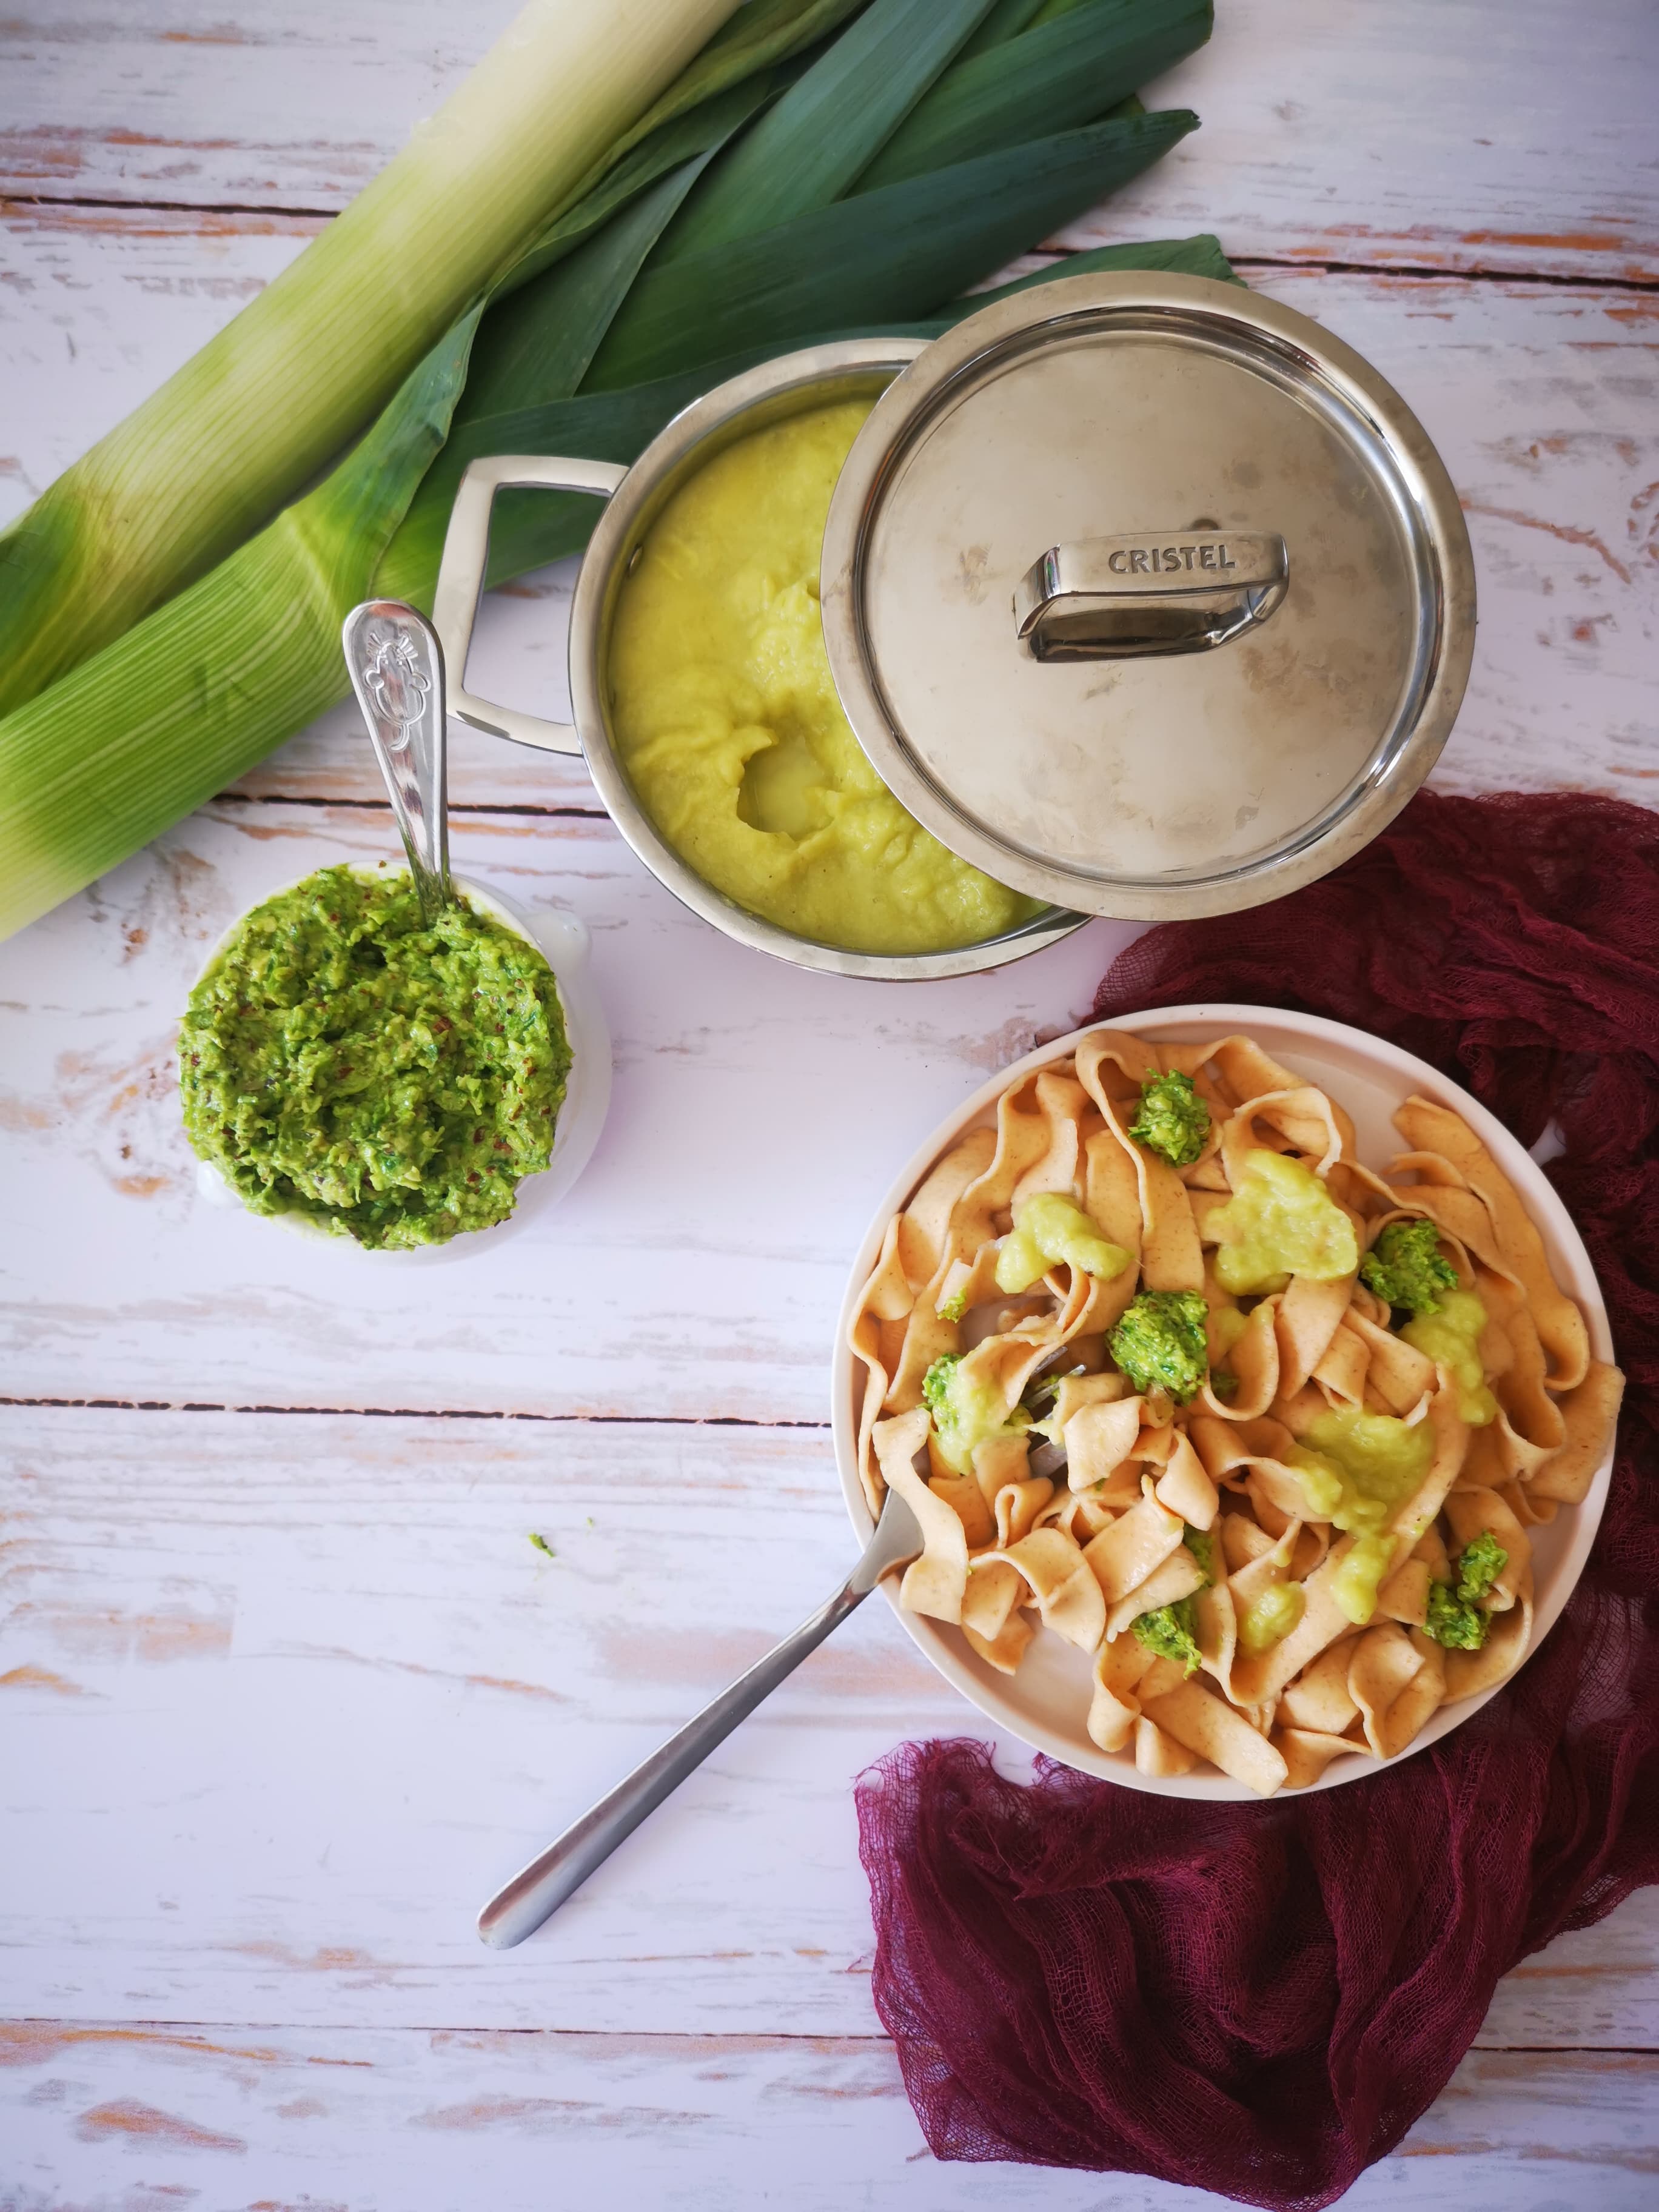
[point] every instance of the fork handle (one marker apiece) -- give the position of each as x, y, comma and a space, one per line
540, 1888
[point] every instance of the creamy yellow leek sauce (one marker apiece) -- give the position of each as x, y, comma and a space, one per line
726, 719
1357, 1470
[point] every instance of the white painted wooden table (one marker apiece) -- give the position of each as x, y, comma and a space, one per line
286, 1688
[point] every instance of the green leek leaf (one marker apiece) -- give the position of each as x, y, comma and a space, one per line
528, 528
758, 35
1063, 74
1005, 20
312, 359
1052, 10
807, 148
707, 127
538, 344
897, 252
1200, 256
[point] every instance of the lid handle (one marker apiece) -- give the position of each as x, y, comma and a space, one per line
1119, 599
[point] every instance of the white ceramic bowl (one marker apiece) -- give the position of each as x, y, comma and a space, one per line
564, 937
1047, 1702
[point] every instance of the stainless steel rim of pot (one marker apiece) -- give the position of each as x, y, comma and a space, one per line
989, 346
817, 376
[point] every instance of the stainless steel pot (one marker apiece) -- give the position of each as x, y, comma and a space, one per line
855, 369
1144, 594
1147, 595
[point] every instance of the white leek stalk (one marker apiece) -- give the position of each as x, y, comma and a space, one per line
250, 420
157, 722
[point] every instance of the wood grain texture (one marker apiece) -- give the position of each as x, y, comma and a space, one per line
285, 1697
1483, 136
283, 1694
267, 2118
204, 104
697, 1268
1544, 404
1543, 400
99, 306
314, 1677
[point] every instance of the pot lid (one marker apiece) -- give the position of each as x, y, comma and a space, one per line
1147, 595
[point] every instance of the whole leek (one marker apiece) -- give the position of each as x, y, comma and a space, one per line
664, 268
251, 419
217, 675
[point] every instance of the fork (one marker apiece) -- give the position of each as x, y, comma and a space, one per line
540, 1888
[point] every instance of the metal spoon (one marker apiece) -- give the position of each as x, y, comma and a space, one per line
397, 669
541, 1887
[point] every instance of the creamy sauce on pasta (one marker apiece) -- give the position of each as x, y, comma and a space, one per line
1452, 1337
1268, 1619
1357, 1469
1281, 1221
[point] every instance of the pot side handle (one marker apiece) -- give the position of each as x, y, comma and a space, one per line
461, 577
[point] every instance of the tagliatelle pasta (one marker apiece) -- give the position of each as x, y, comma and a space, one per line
1273, 1465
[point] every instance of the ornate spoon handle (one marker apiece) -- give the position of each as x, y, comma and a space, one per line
396, 669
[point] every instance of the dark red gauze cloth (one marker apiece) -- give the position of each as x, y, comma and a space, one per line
1259, 2000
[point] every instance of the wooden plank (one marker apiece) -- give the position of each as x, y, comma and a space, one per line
304, 1692
205, 104
1493, 135
1543, 400
1483, 136
249, 1658
1598, 1987
1544, 404
286, 1696
710, 2124
758, 1113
